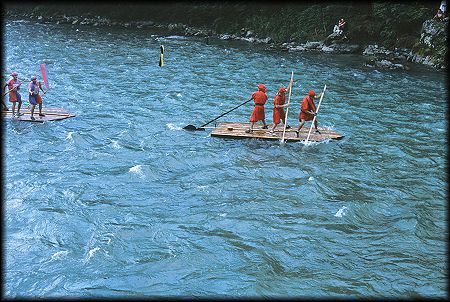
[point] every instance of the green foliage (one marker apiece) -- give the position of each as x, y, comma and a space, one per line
390, 24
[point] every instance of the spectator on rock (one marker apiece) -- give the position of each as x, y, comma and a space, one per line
443, 7
339, 32
440, 16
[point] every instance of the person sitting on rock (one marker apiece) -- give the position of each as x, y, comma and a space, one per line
439, 15
343, 27
339, 32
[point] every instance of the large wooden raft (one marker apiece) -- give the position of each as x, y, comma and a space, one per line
51, 114
237, 130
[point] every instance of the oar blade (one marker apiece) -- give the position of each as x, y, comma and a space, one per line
44, 75
191, 128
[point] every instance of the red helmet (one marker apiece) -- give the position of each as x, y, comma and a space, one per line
14, 74
262, 87
282, 90
311, 93
33, 78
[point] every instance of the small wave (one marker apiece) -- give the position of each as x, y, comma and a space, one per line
69, 136
173, 127
136, 169
91, 253
115, 144
176, 37
309, 143
59, 255
341, 212
311, 178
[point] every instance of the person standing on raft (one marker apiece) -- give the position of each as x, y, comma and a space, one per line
34, 97
308, 110
278, 108
260, 98
14, 95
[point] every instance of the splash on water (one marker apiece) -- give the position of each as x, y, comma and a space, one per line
59, 255
136, 169
115, 144
341, 212
91, 253
69, 135
171, 126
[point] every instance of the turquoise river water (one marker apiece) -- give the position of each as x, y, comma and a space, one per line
120, 201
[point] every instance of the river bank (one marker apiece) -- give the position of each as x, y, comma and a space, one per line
430, 50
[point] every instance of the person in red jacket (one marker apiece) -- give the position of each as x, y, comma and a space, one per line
308, 110
278, 108
14, 96
260, 98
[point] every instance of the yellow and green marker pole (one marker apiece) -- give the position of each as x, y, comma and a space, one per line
161, 56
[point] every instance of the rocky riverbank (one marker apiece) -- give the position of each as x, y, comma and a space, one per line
430, 51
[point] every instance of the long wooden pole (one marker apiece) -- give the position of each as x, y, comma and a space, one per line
317, 110
287, 108
193, 128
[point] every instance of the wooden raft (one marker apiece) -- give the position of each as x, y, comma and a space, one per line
237, 130
51, 114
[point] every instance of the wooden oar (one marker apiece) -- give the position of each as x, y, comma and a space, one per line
193, 128
8, 92
287, 108
317, 110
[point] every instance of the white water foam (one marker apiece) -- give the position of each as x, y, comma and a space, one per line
115, 144
136, 169
91, 253
173, 127
341, 212
311, 178
59, 255
69, 136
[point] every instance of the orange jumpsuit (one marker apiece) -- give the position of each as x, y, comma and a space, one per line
260, 99
307, 105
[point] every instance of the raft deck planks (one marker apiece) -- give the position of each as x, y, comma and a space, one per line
237, 130
51, 114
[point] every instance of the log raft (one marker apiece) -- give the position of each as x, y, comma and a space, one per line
237, 130
51, 114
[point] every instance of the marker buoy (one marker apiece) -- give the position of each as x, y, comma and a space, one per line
161, 56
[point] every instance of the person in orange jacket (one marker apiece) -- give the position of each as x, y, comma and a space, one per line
308, 110
278, 108
14, 96
260, 98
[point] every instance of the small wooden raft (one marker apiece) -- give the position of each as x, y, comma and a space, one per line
51, 114
237, 130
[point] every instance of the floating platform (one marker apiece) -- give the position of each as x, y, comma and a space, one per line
237, 130
51, 114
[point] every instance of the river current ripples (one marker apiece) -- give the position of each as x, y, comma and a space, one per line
121, 201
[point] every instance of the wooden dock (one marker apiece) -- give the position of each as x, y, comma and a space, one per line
237, 130
51, 114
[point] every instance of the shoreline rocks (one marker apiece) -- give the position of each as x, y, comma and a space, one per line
375, 56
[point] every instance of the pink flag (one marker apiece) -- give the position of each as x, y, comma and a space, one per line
44, 75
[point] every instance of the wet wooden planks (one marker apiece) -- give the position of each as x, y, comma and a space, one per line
51, 114
237, 130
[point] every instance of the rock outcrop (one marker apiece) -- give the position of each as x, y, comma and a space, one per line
432, 47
